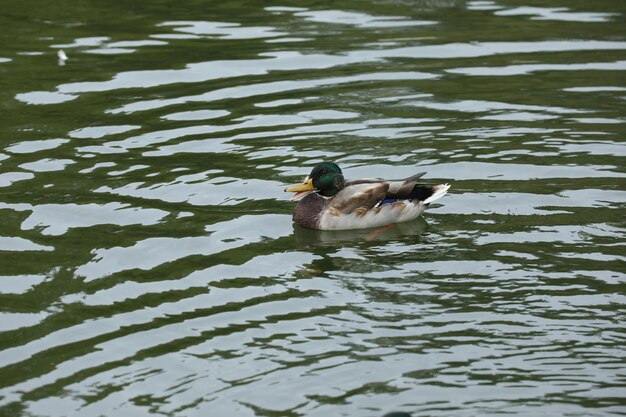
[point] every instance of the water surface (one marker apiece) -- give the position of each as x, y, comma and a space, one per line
148, 262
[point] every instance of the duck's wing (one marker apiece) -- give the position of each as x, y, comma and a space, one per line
362, 193
408, 189
398, 189
403, 188
370, 193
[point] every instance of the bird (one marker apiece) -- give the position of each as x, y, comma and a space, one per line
326, 201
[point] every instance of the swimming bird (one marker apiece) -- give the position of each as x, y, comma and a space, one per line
328, 202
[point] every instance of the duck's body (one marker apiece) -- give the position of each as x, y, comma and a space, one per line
328, 202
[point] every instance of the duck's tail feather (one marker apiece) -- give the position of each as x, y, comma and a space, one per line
436, 192
425, 193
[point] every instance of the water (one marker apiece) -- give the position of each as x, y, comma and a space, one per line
148, 263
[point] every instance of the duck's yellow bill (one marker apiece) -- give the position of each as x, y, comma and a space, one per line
301, 189
307, 186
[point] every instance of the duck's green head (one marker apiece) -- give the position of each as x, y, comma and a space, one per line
326, 178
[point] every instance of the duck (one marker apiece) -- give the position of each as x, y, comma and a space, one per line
326, 201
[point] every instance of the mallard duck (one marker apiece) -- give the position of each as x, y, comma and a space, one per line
328, 202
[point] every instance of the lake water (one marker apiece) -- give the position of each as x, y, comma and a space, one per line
148, 262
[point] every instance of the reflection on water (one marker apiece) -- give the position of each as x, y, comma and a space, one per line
148, 261
306, 238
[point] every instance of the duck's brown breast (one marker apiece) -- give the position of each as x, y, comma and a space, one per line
308, 210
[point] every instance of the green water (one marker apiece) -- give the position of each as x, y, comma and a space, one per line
148, 262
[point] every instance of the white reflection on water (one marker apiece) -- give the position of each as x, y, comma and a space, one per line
31, 146
266, 88
489, 171
222, 236
9, 178
563, 234
483, 5
96, 166
127, 170
56, 219
127, 346
13, 321
594, 89
556, 13
223, 30
279, 103
155, 137
474, 106
109, 51
127, 290
361, 20
83, 42
295, 60
598, 120
19, 284
519, 116
47, 165
45, 97
86, 45
222, 191
526, 204
529, 68
196, 115
96, 132
608, 148
18, 244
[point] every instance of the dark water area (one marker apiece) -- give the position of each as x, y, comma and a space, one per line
148, 261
